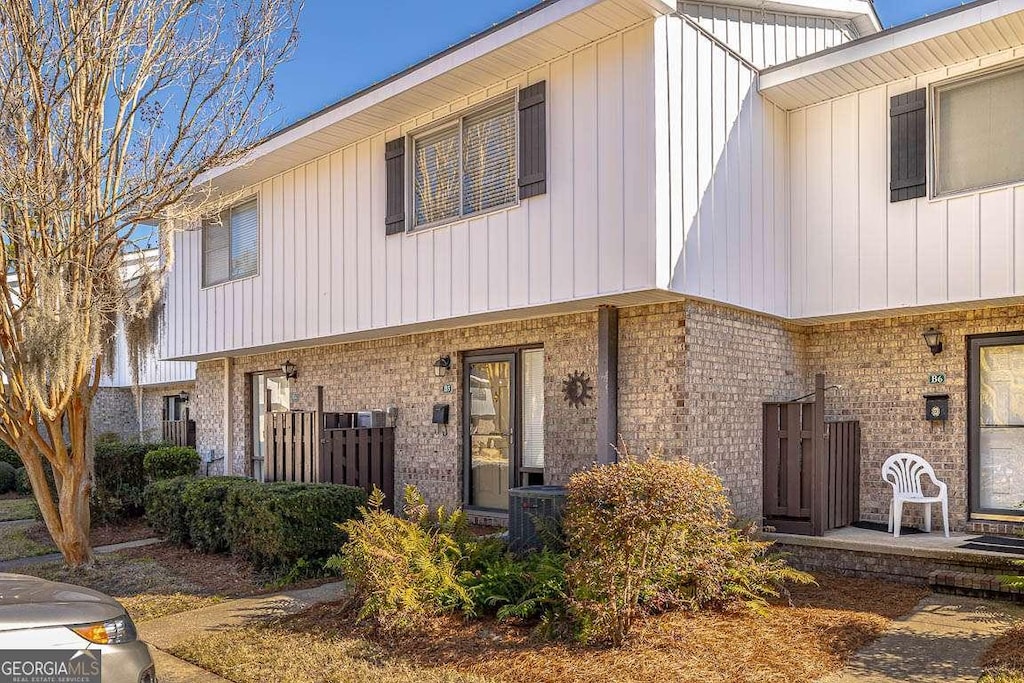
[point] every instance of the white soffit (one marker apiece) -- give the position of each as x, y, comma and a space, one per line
957, 35
529, 39
861, 12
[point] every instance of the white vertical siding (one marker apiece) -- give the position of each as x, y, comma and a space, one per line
722, 176
858, 252
327, 269
769, 38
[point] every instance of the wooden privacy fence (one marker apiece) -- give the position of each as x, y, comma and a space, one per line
300, 447
811, 467
179, 432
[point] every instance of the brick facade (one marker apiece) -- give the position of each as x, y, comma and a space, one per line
114, 412
151, 412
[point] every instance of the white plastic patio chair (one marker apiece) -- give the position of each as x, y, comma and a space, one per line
903, 471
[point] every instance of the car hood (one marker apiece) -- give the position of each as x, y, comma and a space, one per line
30, 602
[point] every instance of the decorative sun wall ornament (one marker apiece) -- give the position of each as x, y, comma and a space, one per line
577, 389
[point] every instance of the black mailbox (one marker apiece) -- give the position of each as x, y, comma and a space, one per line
936, 406
440, 415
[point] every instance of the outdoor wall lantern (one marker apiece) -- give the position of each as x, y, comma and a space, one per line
288, 368
184, 396
933, 338
442, 365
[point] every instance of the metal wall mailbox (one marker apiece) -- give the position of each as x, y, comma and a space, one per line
936, 407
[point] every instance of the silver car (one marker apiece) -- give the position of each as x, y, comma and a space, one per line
49, 630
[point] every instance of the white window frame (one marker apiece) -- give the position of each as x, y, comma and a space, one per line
457, 120
934, 91
259, 244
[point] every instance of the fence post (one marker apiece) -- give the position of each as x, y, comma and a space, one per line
819, 456
318, 432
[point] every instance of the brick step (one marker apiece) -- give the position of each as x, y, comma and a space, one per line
974, 584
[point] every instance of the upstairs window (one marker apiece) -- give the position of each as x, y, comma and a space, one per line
977, 140
466, 166
231, 244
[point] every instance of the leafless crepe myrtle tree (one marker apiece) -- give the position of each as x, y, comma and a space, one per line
111, 111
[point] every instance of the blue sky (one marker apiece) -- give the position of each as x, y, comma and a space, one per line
346, 45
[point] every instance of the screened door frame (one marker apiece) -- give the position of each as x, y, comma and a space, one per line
512, 354
251, 431
974, 345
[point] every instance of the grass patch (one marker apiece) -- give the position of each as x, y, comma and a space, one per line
17, 508
802, 641
158, 580
1004, 660
18, 540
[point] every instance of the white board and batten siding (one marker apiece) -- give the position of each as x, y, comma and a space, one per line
153, 371
767, 38
723, 197
853, 251
326, 268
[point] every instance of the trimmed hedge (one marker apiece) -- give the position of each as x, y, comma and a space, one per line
165, 512
118, 480
270, 525
9, 456
276, 525
7, 478
169, 462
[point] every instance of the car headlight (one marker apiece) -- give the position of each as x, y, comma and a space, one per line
111, 632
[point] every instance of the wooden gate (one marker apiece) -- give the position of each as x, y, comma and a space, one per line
305, 446
811, 467
179, 432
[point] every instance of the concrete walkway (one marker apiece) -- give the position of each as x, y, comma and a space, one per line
166, 632
13, 565
939, 641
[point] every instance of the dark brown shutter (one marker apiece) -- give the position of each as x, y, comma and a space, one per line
394, 169
908, 146
533, 143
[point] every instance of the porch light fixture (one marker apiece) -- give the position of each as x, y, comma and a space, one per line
288, 368
184, 396
442, 365
933, 338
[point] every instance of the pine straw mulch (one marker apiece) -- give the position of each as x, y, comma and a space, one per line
103, 534
816, 635
1004, 660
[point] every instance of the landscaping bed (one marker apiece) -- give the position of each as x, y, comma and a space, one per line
1004, 660
812, 637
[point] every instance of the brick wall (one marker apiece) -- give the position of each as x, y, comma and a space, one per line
735, 361
113, 412
883, 367
207, 408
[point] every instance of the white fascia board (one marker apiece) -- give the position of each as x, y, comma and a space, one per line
886, 41
432, 67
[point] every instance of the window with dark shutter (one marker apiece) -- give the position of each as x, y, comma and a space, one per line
533, 156
908, 146
394, 169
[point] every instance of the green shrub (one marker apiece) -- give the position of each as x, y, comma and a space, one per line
524, 587
403, 570
278, 525
7, 477
165, 508
169, 462
649, 535
118, 480
205, 500
23, 486
9, 456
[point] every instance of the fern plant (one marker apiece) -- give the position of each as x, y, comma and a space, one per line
402, 570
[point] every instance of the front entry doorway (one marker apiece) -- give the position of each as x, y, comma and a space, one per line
996, 431
503, 433
271, 392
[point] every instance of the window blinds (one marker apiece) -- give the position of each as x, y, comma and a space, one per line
533, 408
231, 244
436, 170
489, 160
979, 142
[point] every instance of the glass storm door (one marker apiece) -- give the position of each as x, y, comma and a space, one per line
997, 425
275, 388
490, 392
